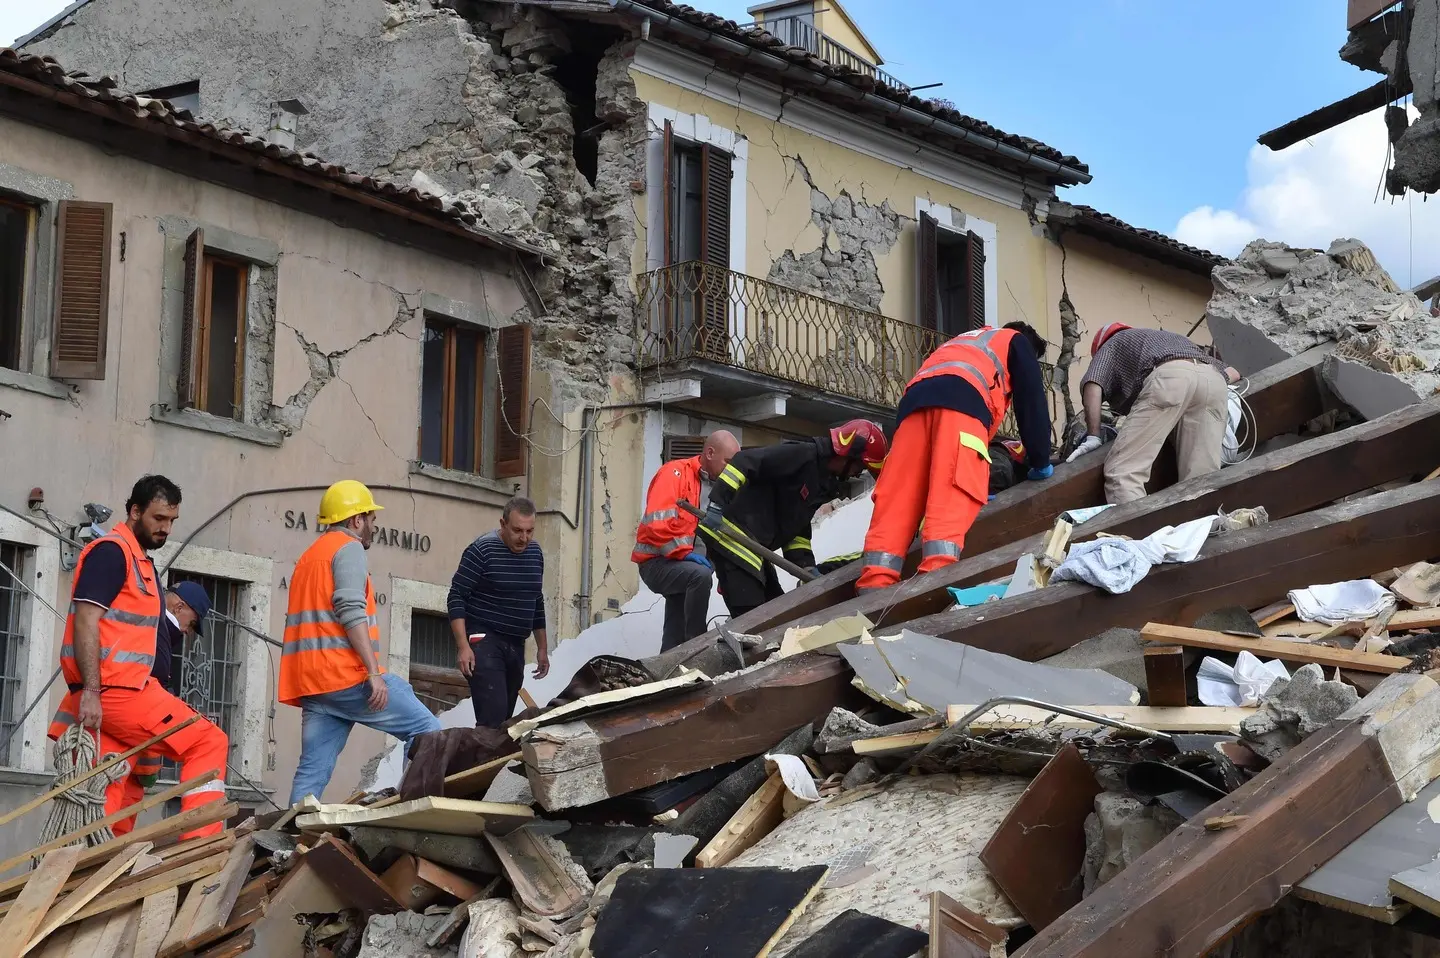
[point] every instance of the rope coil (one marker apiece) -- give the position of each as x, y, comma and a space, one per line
74, 753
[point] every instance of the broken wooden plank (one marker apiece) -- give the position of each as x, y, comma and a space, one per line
1287, 482
168, 878
100, 937
416, 883
1222, 719
1419, 586
338, 867
540, 882
605, 701
93, 887
241, 944
1273, 612
738, 716
1037, 854
214, 900
1196, 887
446, 816
157, 912
1419, 886
957, 932
1241, 568
1302, 652
100, 767
472, 781
41, 888
1165, 676
149, 802
755, 819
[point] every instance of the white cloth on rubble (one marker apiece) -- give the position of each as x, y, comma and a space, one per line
1244, 683
1342, 601
1115, 565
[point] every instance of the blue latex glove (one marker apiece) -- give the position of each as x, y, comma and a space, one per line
698, 559
712, 516
1038, 474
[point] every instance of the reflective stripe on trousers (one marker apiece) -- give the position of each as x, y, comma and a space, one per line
940, 547
884, 560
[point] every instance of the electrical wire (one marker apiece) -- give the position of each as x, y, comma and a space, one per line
1246, 430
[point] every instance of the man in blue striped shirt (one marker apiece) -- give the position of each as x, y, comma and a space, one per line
496, 602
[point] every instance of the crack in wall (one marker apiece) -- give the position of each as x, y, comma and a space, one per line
1070, 331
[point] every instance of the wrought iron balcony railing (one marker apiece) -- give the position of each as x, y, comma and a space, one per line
800, 32
696, 311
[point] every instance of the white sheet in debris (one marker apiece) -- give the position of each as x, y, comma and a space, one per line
925, 834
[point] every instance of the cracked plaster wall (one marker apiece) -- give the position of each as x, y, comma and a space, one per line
351, 297
791, 170
1110, 285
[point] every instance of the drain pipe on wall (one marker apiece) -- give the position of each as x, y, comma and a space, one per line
587, 513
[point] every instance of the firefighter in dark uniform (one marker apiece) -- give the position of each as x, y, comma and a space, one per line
771, 494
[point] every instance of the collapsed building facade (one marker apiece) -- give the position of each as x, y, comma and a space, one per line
700, 225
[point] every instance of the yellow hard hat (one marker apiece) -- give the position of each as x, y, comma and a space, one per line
344, 499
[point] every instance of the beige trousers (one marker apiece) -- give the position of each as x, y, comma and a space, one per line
1182, 396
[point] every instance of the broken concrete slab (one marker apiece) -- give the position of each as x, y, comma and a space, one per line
1294, 708
1371, 393
453, 851
1118, 832
493, 931
943, 822
1117, 651
404, 935
921, 674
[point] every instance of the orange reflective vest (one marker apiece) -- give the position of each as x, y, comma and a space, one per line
666, 530
128, 627
317, 657
976, 358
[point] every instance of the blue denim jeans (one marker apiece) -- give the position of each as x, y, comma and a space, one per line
326, 721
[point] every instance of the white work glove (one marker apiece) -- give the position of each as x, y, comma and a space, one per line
1090, 444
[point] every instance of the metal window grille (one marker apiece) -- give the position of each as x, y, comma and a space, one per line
14, 609
431, 642
207, 669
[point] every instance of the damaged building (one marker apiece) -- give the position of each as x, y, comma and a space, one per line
612, 226
755, 226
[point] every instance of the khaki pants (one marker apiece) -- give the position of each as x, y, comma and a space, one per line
1182, 396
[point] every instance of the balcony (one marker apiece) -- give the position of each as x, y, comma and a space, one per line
740, 334
800, 31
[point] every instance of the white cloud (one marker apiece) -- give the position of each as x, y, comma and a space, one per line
1320, 190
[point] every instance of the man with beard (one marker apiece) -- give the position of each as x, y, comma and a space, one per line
109, 651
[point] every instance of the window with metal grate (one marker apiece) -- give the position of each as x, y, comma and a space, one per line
14, 616
207, 669
431, 642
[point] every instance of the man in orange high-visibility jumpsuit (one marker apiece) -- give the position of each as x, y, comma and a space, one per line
109, 650
939, 465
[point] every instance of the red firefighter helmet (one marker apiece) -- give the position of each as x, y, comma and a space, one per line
861, 439
1104, 333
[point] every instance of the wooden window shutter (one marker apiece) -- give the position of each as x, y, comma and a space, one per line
974, 281
514, 388
716, 170
82, 291
667, 176
927, 278
191, 313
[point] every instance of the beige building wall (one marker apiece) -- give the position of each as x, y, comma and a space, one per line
249, 506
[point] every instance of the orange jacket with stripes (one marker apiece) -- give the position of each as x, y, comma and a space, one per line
127, 628
666, 530
317, 656
976, 358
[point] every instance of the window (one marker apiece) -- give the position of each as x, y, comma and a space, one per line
207, 671
13, 616
17, 225
431, 642
950, 278
473, 414
697, 242
212, 372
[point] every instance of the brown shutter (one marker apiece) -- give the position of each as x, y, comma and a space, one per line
667, 174
191, 310
514, 387
82, 291
927, 279
974, 281
716, 169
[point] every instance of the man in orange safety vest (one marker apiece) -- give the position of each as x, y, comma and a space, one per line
939, 466
109, 650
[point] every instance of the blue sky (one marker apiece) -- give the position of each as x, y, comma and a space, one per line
1164, 100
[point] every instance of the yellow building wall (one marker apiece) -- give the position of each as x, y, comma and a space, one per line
835, 24
778, 207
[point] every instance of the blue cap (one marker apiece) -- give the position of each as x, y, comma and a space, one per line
193, 595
